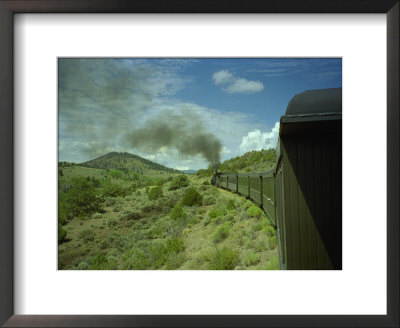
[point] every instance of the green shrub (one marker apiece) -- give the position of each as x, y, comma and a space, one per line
159, 255
83, 266
206, 221
82, 199
208, 200
135, 259
254, 211
230, 205
86, 235
257, 227
206, 183
96, 216
272, 242
178, 182
155, 193
192, 197
192, 221
223, 259
269, 230
117, 174
62, 234
251, 259
109, 202
135, 215
175, 245
272, 264
112, 223
114, 191
222, 232
175, 260
156, 231
98, 262
177, 213
205, 172
218, 211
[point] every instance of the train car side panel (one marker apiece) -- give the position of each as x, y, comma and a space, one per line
243, 185
232, 182
280, 214
256, 189
268, 188
224, 181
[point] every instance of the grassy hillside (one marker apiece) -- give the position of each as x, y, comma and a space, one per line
253, 161
127, 162
173, 222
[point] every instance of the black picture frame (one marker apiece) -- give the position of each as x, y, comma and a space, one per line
10, 7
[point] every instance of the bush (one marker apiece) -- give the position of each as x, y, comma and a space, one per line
272, 264
270, 231
114, 191
251, 259
223, 259
135, 215
205, 172
83, 266
178, 182
216, 212
208, 200
135, 259
254, 211
99, 262
222, 232
192, 197
156, 232
112, 223
192, 221
230, 205
175, 245
175, 261
62, 234
257, 227
117, 174
109, 202
159, 255
96, 216
82, 199
86, 235
155, 193
272, 242
177, 213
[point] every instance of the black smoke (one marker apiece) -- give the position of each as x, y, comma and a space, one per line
186, 133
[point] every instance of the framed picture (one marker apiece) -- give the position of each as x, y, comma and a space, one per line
194, 298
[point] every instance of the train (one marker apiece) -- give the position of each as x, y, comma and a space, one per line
302, 195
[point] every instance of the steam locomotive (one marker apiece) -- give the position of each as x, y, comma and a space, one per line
302, 196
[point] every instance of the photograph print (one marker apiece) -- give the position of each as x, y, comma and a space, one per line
199, 164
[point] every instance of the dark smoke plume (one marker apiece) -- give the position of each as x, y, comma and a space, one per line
186, 133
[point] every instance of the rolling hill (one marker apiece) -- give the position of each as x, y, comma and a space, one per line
126, 162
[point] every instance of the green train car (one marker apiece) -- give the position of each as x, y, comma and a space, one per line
302, 196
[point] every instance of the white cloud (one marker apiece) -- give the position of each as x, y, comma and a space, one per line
244, 86
181, 167
223, 77
257, 140
236, 85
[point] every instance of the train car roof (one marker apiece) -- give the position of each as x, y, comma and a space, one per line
310, 105
313, 112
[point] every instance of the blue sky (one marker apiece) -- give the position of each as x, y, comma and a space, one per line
208, 109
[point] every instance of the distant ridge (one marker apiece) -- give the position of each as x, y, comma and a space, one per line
252, 161
189, 171
126, 162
